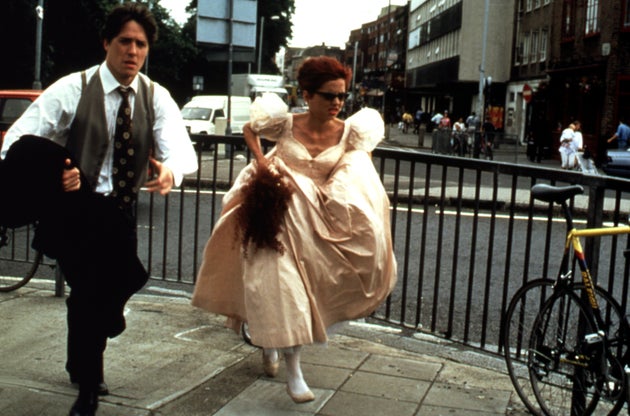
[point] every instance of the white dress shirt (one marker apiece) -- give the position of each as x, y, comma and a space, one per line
52, 114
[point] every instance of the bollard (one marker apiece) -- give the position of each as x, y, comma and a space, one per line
421, 131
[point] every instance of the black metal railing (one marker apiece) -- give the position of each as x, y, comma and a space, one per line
466, 233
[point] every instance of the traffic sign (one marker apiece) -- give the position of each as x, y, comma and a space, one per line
527, 93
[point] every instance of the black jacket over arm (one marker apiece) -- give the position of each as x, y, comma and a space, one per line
85, 231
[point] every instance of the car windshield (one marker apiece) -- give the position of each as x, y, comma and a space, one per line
196, 113
13, 109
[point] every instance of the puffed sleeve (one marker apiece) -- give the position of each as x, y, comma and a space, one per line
366, 129
268, 116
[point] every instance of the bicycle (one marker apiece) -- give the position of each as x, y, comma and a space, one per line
459, 143
19, 264
485, 147
565, 343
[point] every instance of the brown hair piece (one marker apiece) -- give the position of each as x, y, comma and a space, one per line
260, 216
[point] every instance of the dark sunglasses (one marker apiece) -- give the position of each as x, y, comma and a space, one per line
330, 96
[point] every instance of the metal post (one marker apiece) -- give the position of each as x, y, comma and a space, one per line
482, 67
389, 11
354, 76
146, 60
260, 42
39, 12
228, 128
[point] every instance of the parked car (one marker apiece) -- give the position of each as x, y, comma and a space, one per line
12, 104
617, 163
201, 113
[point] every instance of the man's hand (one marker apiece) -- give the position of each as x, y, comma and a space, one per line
163, 181
70, 178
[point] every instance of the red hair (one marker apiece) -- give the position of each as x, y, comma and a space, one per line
316, 71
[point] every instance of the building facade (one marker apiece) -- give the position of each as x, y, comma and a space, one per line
589, 67
377, 53
451, 65
530, 62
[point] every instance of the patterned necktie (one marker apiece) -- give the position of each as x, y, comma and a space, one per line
124, 161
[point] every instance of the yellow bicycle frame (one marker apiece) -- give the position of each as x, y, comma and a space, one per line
573, 239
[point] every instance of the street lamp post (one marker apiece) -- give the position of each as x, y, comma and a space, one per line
262, 27
482, 67
260, 46
39, 10
482, 79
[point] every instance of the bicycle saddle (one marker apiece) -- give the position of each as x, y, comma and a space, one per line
557, 194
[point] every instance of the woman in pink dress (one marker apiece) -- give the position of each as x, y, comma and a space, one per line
326, 252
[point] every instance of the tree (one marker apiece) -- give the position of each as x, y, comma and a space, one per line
71, 42
277, 30
276, 34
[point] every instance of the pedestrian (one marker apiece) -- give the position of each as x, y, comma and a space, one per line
95, 114
459, 137
312, 219
417, 120
577, 143
407, 119
567, 154
459, 126
582, 160
488, 130
445, 122
622, 135
472, 123
539, 126
436, 118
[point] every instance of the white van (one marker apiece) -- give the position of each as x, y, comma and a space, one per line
201, 112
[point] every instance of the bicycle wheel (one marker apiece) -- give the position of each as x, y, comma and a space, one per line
517, 326
569, 367
18, 263
515, 332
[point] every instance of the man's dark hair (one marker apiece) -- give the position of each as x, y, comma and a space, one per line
126, 12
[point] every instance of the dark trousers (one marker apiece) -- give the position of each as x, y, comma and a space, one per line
98, 293
87, 340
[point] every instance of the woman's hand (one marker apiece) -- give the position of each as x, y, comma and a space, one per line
253, 143
164, 179
70, 178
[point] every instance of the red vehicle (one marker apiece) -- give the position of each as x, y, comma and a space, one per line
12, 105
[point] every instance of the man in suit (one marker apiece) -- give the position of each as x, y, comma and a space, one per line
117, 125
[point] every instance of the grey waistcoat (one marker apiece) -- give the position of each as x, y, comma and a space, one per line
89, 138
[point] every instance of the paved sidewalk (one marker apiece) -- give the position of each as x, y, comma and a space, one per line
177, 360
509, 152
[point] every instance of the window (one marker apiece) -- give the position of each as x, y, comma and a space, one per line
534, 47
13, 109
536, 4
543, 44
568, 19
528, 6
526, 48
592, 17
414, 39
519, 50
626, 20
